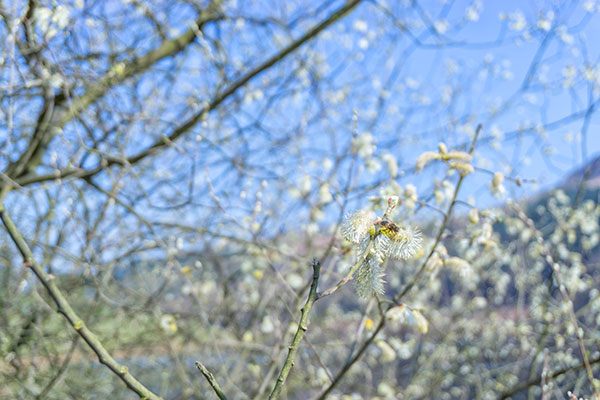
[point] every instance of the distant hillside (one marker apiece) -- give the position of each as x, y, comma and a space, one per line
592, 173
580, 185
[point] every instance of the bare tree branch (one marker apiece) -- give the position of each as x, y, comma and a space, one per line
211, 380
302, 327
63, 307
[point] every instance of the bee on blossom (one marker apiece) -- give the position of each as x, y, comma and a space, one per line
377, 240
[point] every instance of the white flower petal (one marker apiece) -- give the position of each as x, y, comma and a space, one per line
357, 225
368, 279
408, 242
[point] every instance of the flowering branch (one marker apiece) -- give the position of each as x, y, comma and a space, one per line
397, 298
377, 239
348, 276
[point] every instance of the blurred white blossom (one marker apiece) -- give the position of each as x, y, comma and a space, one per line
364, 145
425, 159
387, 352
517, 21
421, 321
441, 26
325, 196
392, 164
168, 323
496, 187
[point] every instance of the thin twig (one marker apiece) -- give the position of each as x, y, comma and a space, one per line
302, 327
348, 275
64, 307
61, 370
438, 239
544, 375
537, 380
352, 361
361, 327
211, 380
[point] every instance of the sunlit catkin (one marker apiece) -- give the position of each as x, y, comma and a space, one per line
377, 240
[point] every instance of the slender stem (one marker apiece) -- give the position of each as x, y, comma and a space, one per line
302, 327
352, 361
438, 239
61, 370
63, 307
537, 380
360, 329
211, 380
349, 275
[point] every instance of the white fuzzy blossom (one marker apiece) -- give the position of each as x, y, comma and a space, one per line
457, 155
456, 262
377, 240
472, 12
305, 184
325, 196
364, 145
441, 26
168, 323
369, 277
398, 314
496, 187
357, 225
392, 164
442, 148
410, 197
458, 160
387, 352
360, 25
425, 159
518, 22
410, 192
474, 216
420, 321
463, 168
